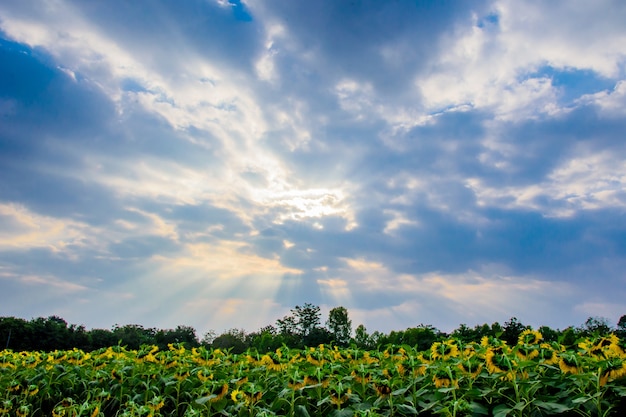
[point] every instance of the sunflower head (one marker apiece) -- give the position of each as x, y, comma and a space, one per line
568, 363
444, 350
530, 337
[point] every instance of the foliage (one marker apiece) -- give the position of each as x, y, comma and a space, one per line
339, 325
451, 378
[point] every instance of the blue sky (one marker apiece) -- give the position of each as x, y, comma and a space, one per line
214, 164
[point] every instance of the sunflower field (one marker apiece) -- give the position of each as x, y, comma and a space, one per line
489, 378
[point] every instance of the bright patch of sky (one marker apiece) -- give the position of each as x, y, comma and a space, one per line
216, 163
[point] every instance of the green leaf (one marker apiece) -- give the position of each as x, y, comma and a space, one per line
346, 412
203, 400
501, 411
400, 391
580, 400
520, 405
406, 409
301, 411
478, 408
553, 407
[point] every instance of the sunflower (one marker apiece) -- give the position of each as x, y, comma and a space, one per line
6, 407
383, 388
32, 390
238, 396
361, 378
568, 363
444, 350
445, 378
156, 403
216, 392
471, 366
202, 377
23, 411
181, 375
547, 354
497, 360
614, 370
314, 380
530, 337
272, 362
526, 352
337, 398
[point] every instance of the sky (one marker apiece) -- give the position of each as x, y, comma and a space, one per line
214, 163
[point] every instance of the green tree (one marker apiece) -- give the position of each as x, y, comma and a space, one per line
100, 338
511, 331
182, 334
339, 325
361, 338
308, 318
596, 326
134, 335
233, 340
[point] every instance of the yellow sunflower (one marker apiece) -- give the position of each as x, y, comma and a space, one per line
444, 350
530, 337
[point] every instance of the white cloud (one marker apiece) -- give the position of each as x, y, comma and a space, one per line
487, 65
591, 180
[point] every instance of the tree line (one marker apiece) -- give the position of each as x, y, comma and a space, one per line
303, 327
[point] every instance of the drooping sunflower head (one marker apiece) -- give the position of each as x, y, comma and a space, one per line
612, 370
446, 377
444, 350
471, 366
498, 361
382, 388
547, 354
568, 363
526, 352
530, 337
339, 397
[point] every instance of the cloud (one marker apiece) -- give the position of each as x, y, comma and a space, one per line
412, 162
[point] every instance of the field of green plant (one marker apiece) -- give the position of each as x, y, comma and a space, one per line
488, 378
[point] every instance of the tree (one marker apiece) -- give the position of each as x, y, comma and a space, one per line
208, 338
182, 334
308, 317
233, 339
361, 338
100, 338
422, 336
339, 325
512, 330
134, 335
596, 326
